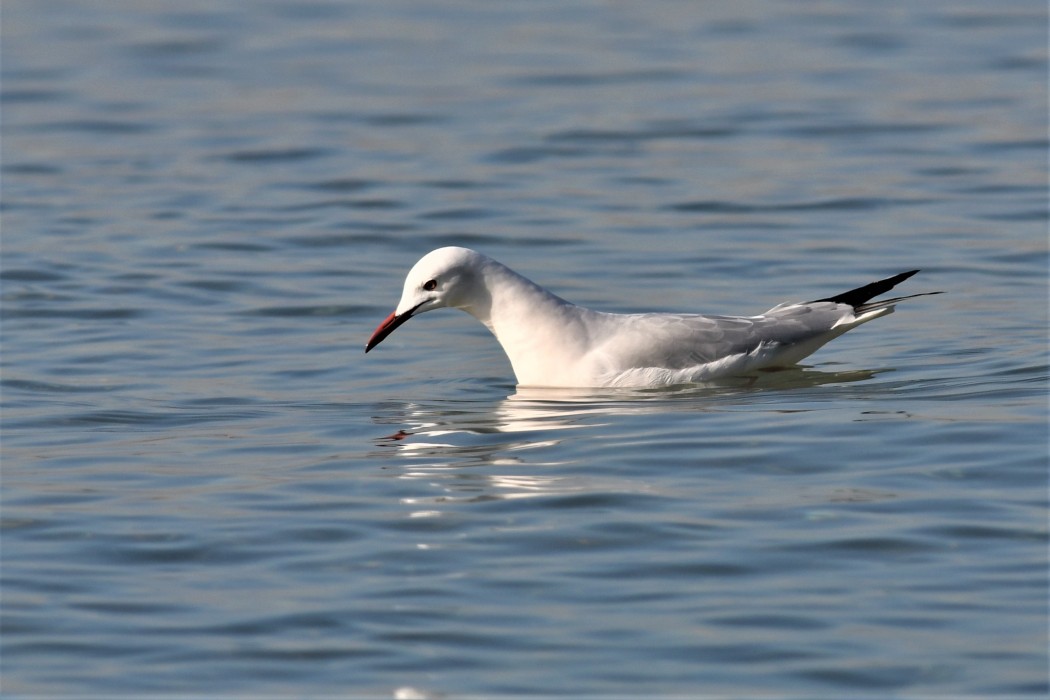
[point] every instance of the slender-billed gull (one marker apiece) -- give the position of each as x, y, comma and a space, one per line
551, 342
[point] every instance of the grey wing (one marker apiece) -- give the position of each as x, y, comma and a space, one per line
688, 340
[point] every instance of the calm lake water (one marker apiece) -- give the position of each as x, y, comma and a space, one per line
209, 490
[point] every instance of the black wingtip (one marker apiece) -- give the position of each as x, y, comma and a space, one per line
860, 295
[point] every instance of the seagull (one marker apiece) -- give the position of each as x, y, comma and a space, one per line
551, 342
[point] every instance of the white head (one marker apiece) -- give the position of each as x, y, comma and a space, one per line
446, 277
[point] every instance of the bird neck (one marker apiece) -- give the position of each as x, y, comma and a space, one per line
534, 326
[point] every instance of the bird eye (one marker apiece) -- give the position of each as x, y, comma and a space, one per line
430, 285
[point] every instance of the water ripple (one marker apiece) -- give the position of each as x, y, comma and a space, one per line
841, 204
264, 156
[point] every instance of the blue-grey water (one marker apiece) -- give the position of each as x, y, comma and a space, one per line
209, 490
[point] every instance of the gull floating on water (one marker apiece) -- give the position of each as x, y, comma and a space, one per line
553, 343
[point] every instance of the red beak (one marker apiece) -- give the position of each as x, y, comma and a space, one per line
388, 326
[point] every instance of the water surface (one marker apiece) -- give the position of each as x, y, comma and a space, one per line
208, 489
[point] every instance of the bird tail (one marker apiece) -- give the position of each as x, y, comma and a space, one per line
860, 298
888, 303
